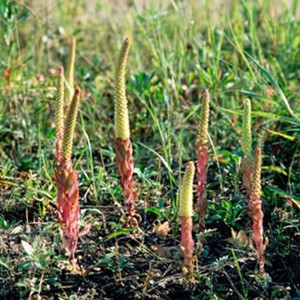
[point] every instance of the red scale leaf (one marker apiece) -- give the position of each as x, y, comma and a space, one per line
68, 210
124, 160
187, 243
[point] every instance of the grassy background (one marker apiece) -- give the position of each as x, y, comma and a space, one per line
236, 49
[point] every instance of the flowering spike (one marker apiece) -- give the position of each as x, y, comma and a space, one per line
121, 111
203, 156
186, 213
59, 112
70, 75
246, 134
70, 126
246, 147
255, 208
186, 193
204, 117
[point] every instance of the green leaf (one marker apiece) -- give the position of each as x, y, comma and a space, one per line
280, 192
118, 233
4, 265
154, 210
27, 248
263, 114
275, 169
275, 85
283, 135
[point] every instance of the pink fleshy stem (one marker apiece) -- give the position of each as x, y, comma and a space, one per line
187, 244
124, 160
201, 206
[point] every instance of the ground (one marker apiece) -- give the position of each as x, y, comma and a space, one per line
237, 50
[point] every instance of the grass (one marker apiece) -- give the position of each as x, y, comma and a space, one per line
239, 50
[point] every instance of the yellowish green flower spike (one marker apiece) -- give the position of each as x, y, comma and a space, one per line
256, 184
186, 194
70, 74
121, 111
70, 126
59, 109
204, 118
246, 134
